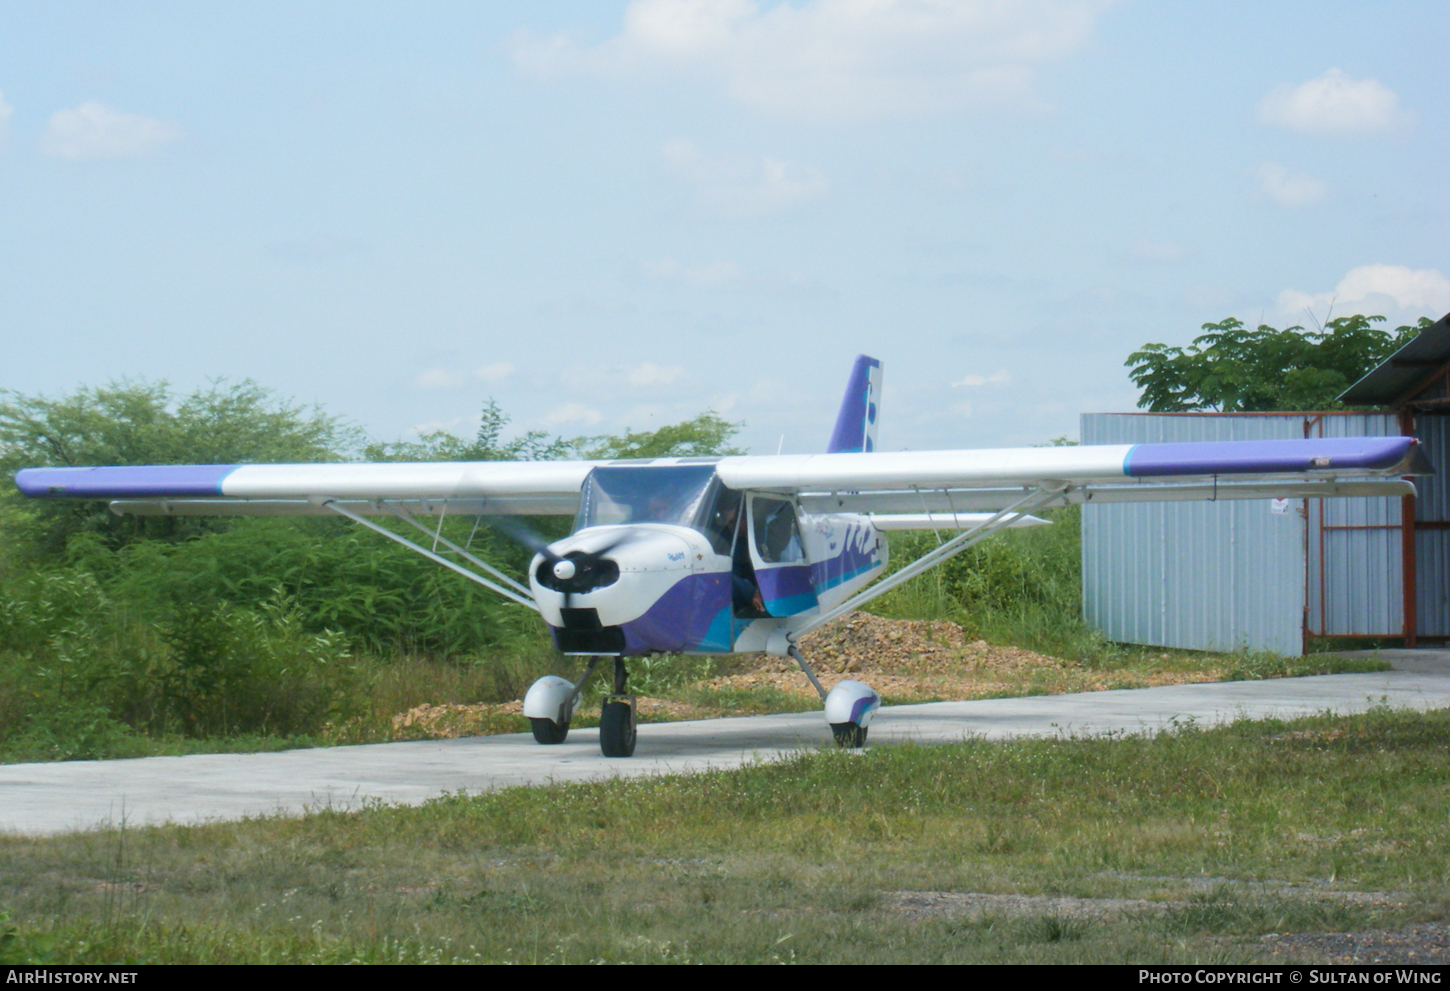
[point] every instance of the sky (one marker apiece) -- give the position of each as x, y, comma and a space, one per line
611, 215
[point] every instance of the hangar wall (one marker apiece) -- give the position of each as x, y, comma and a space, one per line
1237, 574
1432, 515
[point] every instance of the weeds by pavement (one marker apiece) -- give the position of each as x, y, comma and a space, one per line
1229, 834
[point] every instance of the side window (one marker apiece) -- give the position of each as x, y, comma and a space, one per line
777, 537
722, 519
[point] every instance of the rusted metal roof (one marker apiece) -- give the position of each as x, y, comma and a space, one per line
1398, 377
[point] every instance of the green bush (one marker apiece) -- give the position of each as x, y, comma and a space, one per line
79, 665
1022, 587
75, 729
229, 671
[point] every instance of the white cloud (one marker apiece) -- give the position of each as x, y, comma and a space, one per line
1394, 291
595, 378
438, 378
1290, 188
496, 372
573, 413
5, 111
434, 426
449, 378
1148, 250
1000, 377
836, 60
727, 275
1335, 104
707, 275
651, 374
95, 131
744, 185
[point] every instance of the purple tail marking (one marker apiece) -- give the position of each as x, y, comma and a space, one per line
856, 422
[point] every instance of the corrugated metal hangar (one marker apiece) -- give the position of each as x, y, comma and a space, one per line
1272, 575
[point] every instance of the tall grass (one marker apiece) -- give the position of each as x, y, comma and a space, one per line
1022, 587
104, 656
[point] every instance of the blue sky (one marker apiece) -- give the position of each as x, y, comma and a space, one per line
619, 214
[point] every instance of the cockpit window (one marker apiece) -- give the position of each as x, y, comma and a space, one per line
644, 494
777, 537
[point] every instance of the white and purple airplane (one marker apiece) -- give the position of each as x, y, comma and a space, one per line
714, 555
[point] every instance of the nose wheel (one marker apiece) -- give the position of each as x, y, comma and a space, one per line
617, 725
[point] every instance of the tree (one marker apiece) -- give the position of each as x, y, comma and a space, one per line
1232, 369
487, 445
137, 423
706, 434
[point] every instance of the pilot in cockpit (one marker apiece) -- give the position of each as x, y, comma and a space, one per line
729, 535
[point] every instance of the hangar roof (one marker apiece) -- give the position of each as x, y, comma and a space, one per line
1400, 376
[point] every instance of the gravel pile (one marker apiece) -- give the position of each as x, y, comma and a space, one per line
864, 643
901, 658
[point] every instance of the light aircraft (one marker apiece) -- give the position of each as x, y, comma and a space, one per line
713, 555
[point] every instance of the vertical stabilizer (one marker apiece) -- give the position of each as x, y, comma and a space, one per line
856, 423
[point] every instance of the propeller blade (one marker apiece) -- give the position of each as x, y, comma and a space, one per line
579, 562
627, 537
521, 533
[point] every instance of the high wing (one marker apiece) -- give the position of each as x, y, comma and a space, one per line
535, 488
902, 482
989, 480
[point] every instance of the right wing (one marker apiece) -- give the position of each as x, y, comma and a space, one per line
904, 482
464, 487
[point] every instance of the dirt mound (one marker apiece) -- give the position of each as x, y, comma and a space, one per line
862, 643
901, 658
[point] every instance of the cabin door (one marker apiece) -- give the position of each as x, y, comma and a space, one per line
779, 557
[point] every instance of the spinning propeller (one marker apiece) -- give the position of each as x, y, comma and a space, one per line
571, 573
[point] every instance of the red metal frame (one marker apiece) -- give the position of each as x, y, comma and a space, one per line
1406, 526
1407, 543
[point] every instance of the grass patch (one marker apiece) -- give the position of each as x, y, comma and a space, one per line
1226, 912
789, 861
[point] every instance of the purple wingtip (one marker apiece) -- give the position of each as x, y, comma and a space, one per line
114, 482
1338, 454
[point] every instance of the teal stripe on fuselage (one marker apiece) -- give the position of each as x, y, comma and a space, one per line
832, 583
718, 636
791, 604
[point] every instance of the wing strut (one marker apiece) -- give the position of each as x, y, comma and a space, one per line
1034, 499
507, 593
438, 538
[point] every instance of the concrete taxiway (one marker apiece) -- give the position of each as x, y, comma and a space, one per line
76, 795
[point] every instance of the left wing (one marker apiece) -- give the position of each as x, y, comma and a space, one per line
472, 487
986, 480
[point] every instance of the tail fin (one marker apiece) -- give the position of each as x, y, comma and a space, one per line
856, 423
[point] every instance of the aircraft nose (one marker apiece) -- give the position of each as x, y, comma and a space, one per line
564, 570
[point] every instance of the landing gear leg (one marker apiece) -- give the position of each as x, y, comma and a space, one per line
850, 706
617, 718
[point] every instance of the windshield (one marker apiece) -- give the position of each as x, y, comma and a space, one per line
644, 494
